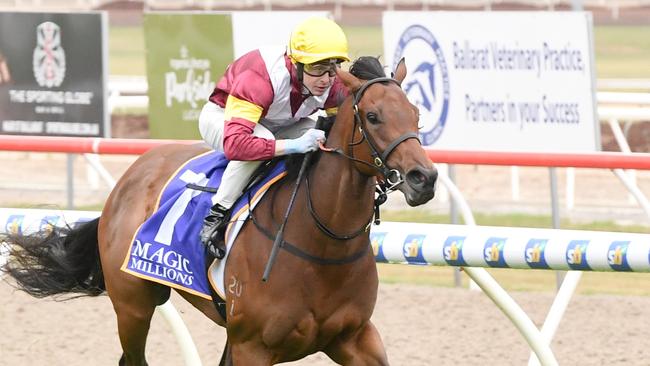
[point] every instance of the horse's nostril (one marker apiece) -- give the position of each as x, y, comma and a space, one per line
418, 178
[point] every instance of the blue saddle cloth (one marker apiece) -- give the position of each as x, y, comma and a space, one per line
166, 248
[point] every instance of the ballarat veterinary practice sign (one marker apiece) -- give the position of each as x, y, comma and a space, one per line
520, 81
52, 73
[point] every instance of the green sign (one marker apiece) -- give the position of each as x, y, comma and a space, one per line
186, 55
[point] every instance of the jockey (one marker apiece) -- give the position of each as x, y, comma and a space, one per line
260, 108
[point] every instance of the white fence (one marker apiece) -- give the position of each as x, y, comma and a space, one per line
465, 246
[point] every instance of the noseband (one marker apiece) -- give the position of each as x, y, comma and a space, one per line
383, 188
379, 163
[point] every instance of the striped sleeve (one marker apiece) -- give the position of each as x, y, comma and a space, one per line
240, 144
250, 95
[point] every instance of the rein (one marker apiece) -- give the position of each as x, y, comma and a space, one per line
293, 249
327, 231
384, 187
379, 159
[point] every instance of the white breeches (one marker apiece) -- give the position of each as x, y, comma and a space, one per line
238, 173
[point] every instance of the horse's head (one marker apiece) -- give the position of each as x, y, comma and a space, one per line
385, 130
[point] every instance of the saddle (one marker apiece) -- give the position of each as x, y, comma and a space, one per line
166, 247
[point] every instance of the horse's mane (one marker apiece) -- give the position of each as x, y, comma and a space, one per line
364, 68
367, 68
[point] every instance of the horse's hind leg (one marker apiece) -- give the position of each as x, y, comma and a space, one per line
134, 306
133, 327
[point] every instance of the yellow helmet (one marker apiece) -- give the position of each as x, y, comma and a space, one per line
317, 39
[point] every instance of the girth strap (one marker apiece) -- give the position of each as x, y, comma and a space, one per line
218, 302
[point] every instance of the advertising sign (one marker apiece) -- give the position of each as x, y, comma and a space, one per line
188, 52
520, 81
52, 74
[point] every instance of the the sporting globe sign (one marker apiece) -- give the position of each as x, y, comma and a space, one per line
52, 74
520, 81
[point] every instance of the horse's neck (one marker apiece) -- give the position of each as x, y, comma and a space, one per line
336, 178
343, 197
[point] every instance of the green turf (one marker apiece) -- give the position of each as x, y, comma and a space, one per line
516, 220
126, 51
621, 51
616, 283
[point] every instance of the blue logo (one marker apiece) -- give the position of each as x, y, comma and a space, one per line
48, 223
617, 256
576, 255
535, 253
14, 224
412, 249
377, 242
452, 251
493, 252
427, 85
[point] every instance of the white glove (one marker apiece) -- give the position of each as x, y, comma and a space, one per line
305, 143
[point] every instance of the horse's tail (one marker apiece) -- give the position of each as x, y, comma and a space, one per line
63, 260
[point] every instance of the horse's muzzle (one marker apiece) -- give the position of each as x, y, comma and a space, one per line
421, 183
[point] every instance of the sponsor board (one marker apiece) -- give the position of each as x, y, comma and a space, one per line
52, 74
187, 53
521, 81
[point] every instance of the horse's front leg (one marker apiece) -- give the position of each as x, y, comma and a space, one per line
362, 348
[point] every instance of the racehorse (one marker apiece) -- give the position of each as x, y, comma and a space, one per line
321, 294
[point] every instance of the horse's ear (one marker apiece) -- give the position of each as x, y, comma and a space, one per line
349, 80
400, 71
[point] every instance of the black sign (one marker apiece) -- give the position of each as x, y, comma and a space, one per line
52, 74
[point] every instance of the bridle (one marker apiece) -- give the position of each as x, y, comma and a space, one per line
380, 159
384, 187
391, 177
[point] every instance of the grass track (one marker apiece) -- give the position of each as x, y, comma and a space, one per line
621, 51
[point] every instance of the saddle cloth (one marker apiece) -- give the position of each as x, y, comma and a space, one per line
166, 247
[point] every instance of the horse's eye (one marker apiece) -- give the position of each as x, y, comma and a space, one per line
372, 118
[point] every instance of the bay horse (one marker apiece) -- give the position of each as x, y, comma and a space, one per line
321, 294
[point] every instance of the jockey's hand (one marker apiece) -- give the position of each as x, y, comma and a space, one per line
305, 143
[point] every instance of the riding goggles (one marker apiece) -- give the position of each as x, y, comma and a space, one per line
319, 69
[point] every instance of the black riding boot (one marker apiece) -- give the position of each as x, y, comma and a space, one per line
213, 230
